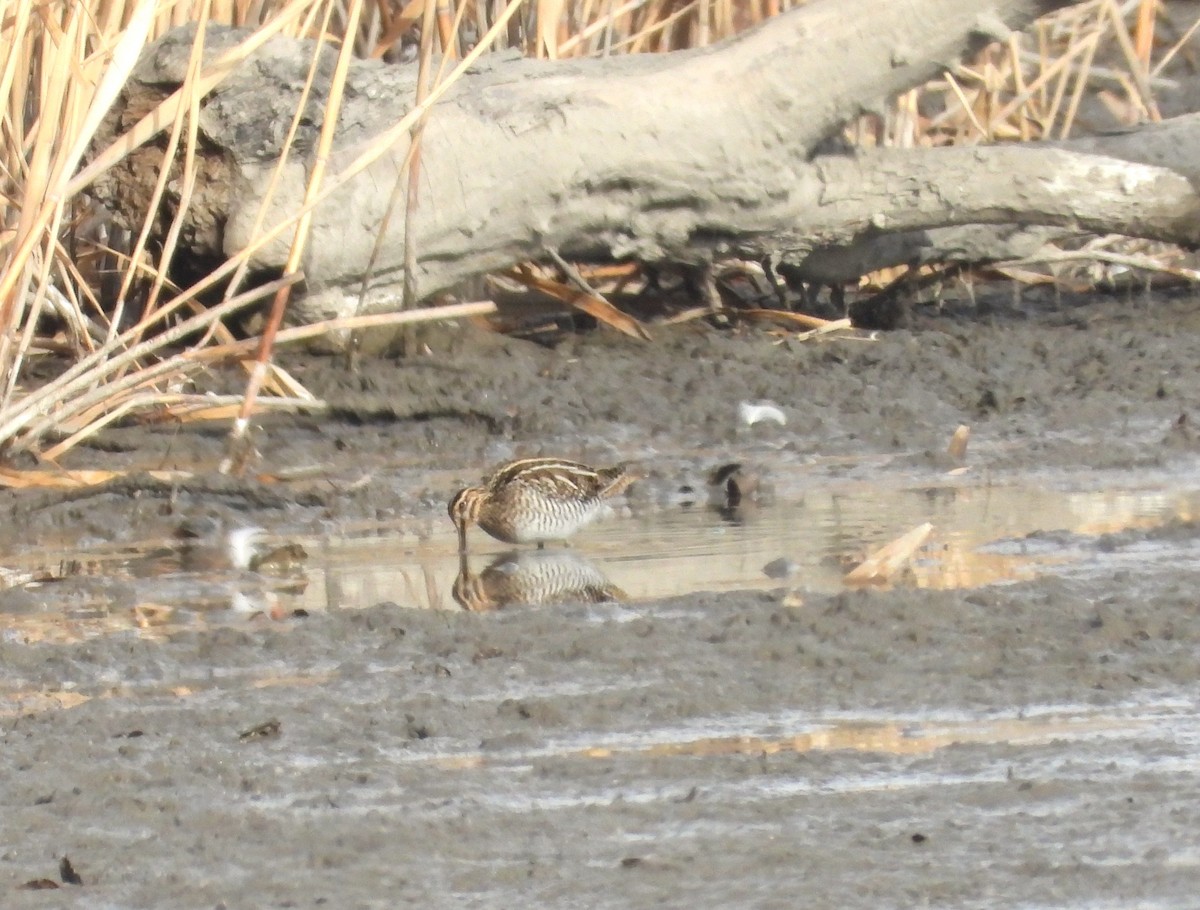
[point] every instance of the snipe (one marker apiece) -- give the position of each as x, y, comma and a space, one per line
537, 499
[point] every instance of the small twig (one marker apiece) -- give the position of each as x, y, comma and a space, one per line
347, 323
412, 200
574, 276
1133, 262
708, 288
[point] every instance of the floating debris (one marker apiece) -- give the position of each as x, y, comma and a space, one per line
266, 730
884, 563
67, 872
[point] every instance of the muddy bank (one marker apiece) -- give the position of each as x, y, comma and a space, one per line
727, 750
1044, 384
1027, 744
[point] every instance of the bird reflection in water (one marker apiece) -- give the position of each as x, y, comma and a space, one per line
736, 491
533, 578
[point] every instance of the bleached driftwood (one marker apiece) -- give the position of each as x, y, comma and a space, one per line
686, 156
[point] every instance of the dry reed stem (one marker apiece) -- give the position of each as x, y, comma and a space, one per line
1144, 263
1058, 68
549, 13
966, 105
1179, 45
333, 105
397, 27
1081, 80
584, 300
602, 24
1138, 68
370, 153
639, 41
793, 321
62, 479
272, 186
327, 327
412, 166
447, 26
150, 125
187, 183
177, 407
1144, 43
835, 327
42, 219
1018, 77
881, 566
412, 197
66, 390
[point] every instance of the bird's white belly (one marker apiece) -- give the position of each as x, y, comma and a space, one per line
555, 525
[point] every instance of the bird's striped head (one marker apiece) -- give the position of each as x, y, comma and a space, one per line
464, 510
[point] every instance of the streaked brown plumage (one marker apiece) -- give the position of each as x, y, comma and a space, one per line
537, 499
533, 578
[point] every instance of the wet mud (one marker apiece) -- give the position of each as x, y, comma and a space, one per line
1022, 744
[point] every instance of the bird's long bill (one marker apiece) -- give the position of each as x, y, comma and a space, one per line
462, 537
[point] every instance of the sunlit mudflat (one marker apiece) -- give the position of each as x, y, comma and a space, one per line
1172, 720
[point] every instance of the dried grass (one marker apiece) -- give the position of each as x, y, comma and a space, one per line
62, 66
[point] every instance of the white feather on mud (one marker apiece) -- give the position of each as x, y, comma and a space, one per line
752, 412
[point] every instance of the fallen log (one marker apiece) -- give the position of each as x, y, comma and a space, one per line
690, 156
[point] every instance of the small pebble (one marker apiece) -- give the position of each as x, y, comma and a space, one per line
781, 568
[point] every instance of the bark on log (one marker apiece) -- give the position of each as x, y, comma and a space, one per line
685, 156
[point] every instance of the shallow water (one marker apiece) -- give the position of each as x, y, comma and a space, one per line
1125, 733
1172, 719
979, 538
983, 533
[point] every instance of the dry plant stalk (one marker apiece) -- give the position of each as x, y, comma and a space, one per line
236, 460
584, 299
958, 443
881, 566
